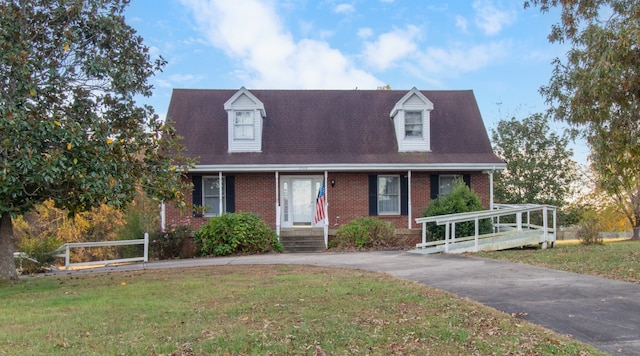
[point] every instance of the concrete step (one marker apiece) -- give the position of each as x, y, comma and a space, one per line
303, 243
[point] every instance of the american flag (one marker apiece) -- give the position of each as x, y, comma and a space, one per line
320, 205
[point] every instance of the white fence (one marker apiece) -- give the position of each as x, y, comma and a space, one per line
68, 246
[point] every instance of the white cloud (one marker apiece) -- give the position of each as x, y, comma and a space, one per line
253, 35
344, 9
391, 47
182, 78
490, 19
365, 32
461, 59
461, 23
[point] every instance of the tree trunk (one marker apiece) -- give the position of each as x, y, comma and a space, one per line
7, 265
636, 233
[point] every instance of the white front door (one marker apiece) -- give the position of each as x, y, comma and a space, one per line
298, 200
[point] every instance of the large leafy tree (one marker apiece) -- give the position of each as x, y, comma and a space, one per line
71, 130
539, 168
596, 89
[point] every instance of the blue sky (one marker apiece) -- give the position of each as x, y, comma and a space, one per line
494, 47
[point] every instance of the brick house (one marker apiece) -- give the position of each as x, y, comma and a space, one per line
379, 153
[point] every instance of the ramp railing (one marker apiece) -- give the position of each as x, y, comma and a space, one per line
68, 246
501, 210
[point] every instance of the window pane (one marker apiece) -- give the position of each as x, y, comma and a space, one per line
243, 125
413, 124
446, 184
211, 196
388, 194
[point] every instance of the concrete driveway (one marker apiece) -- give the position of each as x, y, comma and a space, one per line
602, 312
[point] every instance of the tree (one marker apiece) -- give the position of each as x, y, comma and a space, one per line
71, 129
461, 200
597, 90
539, 165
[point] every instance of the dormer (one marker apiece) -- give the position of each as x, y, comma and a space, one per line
412, 120
245, 118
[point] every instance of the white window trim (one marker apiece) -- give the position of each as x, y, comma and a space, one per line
222, 206
397, 212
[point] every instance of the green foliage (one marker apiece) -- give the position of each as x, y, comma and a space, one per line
169, 243
71, 129
236, 233
39, 249
539, 165
461, 200
596, 90
366, 233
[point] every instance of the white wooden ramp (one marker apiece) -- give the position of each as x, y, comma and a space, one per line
506, 236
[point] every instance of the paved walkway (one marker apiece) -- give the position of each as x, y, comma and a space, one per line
602, 312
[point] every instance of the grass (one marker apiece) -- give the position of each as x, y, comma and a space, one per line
241, 310
616, 259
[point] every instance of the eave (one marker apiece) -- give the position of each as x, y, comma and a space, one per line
350, 167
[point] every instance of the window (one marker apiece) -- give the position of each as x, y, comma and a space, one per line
243, 125
388, 195
446, 184
211, 196
413, 124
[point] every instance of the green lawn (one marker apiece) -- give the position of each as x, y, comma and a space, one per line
617, 259
240, 310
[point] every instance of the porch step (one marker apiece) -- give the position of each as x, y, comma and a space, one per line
302, 241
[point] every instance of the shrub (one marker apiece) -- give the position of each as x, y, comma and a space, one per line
461, 200
589, 232
236, 233
40, 253
366, 233
168, 243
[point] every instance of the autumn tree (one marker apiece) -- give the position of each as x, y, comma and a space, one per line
596, 89
539, 168
71, 130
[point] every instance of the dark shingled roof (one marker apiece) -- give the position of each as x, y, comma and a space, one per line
323, 127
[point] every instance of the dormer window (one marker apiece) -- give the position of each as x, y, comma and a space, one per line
246, 114
413, 124
412, 119
243, 125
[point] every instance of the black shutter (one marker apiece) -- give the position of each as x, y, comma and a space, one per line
435, 186
373, 195
467, 179
230, 192
404, 195
197, 192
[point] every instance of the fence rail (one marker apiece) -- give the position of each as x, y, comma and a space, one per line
68, 246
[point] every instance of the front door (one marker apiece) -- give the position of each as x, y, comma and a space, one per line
302, 202
298, 200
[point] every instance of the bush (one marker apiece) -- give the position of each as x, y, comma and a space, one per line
236, 233
589, 232
168, 244
461, 200
40, 254
366, 233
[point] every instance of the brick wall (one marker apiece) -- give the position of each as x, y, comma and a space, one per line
348, 199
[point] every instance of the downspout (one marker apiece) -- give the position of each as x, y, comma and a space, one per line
409, 200
326, 211
491, 187
163, 216
220, 193
278, 204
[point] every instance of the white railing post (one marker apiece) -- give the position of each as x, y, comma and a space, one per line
453, 232
519, 221
544, 224
146, 247
446, 237
424, 234
66, 258
477, 233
